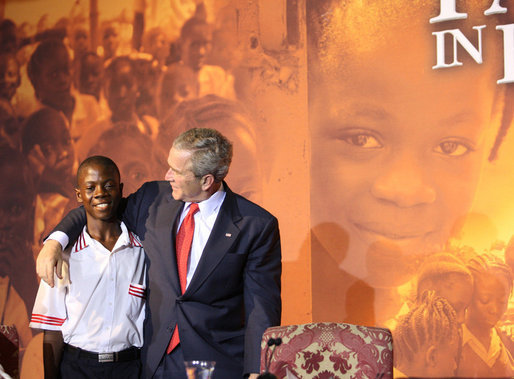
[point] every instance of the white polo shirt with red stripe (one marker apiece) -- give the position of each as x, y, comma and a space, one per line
100, 305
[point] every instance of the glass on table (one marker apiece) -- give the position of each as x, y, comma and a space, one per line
199, 369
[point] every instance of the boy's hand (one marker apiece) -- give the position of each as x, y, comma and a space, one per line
49, 258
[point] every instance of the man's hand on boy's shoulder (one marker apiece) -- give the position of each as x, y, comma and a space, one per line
48, 260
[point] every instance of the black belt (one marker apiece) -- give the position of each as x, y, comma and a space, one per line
130, 354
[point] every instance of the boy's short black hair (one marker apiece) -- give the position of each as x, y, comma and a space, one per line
99, 160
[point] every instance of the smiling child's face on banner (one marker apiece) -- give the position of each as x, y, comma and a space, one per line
397, 146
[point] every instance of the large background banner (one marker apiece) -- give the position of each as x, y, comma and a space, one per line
376, 131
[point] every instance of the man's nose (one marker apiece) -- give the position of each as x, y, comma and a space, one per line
169, 175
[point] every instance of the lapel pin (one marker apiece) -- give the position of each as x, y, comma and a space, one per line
228, 234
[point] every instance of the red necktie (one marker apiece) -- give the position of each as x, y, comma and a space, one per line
183, 247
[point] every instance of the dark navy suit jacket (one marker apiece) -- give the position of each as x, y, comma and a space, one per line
234, 294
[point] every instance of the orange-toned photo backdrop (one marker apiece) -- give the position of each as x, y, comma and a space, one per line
387, 161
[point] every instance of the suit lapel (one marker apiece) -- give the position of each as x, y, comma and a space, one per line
223, 235
168, 218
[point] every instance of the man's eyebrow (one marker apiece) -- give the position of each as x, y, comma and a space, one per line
175, 170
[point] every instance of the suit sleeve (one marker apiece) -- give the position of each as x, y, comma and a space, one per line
72, 224
130, 208
262, 288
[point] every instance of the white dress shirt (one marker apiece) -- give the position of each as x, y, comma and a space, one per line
99, 305
204, 222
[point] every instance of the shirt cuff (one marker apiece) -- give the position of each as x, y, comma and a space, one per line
60, 237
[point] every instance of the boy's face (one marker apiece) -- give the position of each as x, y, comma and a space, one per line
9, 78
54, 81
159, 47
99, 190
397, 147
55, 145
58, 151
90, 80
110, 41
196, 46
179, 85
490, 300
80, 41
121, 91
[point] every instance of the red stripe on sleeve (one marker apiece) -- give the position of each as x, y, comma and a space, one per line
48, 320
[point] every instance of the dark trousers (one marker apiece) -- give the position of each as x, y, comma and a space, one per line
73, 366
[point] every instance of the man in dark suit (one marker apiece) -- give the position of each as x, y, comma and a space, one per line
232, 291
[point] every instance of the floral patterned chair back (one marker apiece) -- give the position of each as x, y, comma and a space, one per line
9, 344
327, 350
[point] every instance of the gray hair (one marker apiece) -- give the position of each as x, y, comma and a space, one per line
211, 152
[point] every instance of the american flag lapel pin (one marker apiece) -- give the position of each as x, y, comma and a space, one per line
228, 234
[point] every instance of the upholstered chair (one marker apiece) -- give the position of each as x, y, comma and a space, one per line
327, 350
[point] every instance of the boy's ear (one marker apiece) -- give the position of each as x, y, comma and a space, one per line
77, 195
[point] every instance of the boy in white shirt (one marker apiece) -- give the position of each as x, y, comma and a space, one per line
93, 318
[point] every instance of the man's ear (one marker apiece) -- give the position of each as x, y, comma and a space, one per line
207, 182
77, 195
121, 189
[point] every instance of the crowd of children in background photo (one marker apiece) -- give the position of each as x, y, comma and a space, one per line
61, 101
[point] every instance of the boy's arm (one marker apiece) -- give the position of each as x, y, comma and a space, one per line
53, 345
49, 314
50, 256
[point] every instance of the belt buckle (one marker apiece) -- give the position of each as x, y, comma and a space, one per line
106, 357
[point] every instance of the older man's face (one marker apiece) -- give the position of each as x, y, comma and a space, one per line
186, 186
